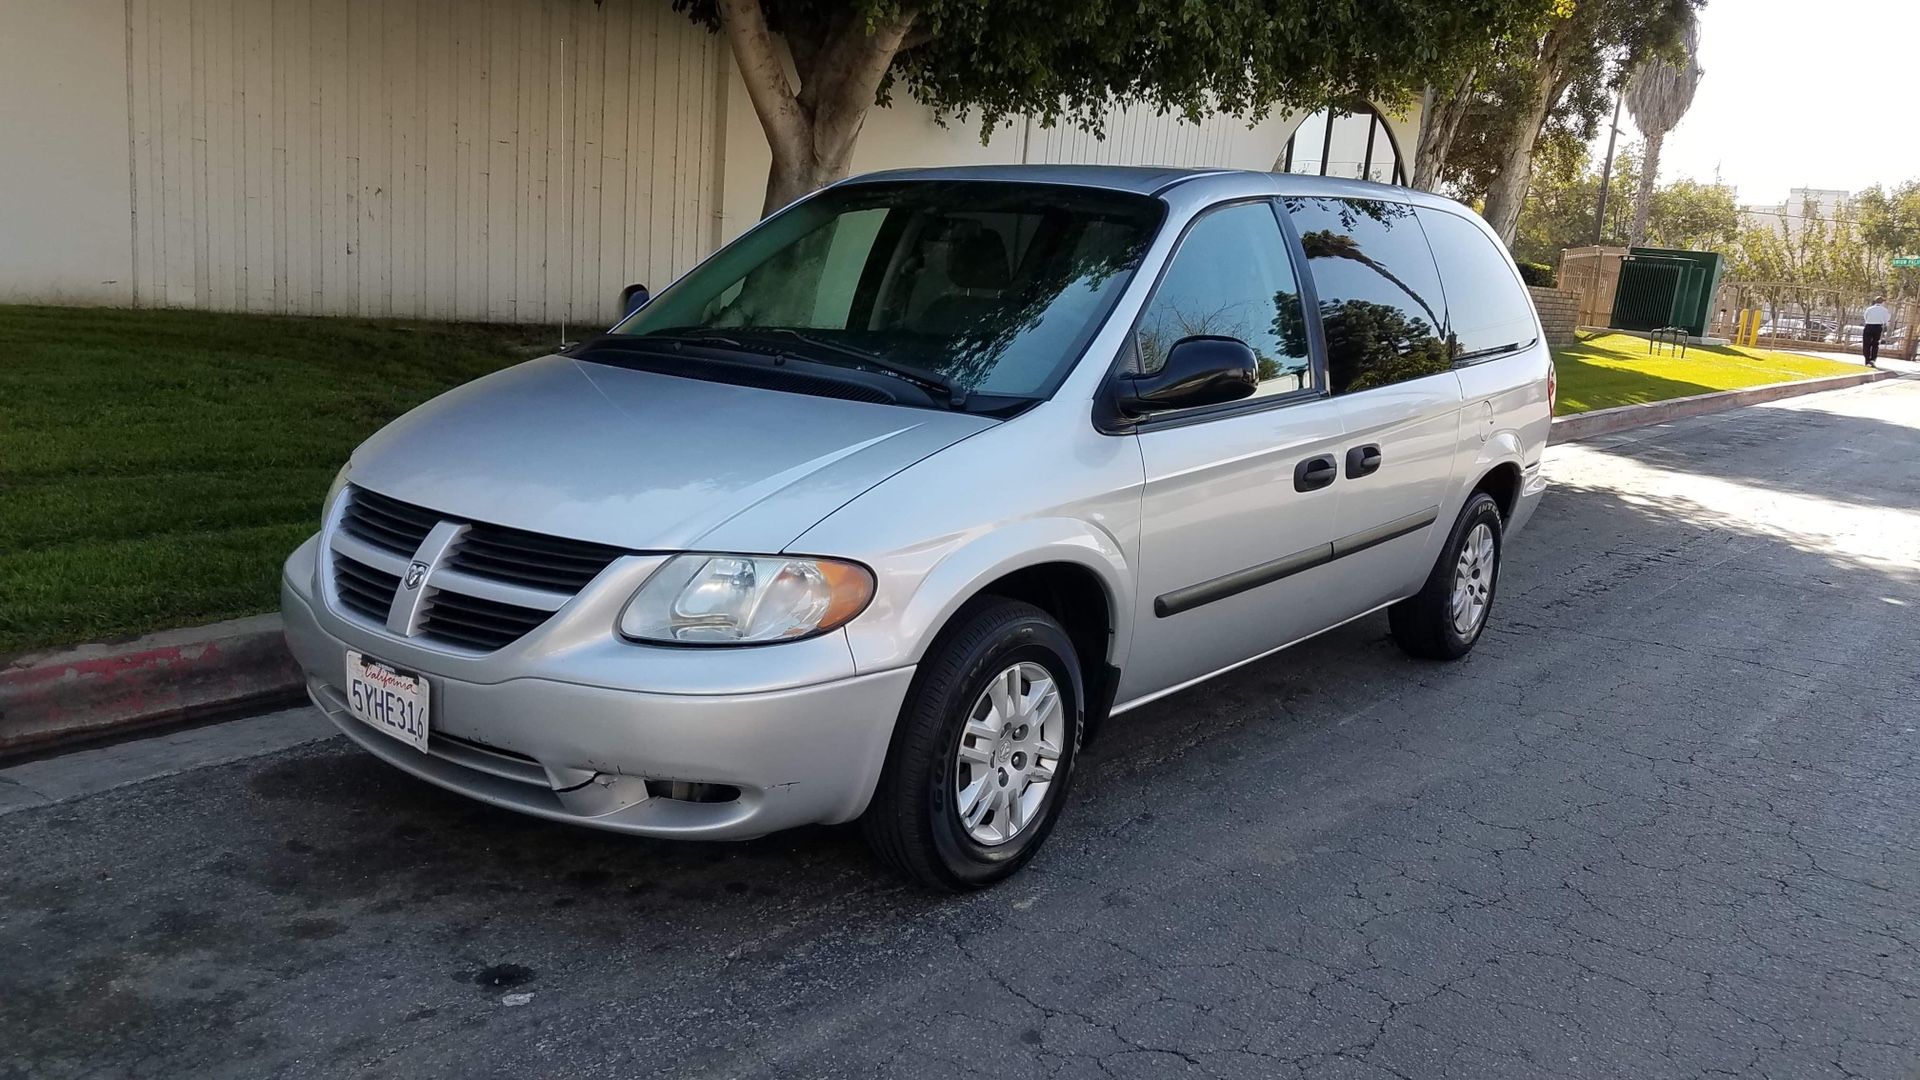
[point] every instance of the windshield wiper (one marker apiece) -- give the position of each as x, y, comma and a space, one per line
956, 395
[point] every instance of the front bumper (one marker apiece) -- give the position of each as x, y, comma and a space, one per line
537, 741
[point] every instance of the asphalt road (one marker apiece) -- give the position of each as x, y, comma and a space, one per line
1664, 822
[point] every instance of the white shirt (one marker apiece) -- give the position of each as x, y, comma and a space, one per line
1877, 313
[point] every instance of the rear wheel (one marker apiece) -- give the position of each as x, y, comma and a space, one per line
981, 758
1444, 619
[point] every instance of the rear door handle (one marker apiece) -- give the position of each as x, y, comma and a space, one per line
1363, 460
1315, 473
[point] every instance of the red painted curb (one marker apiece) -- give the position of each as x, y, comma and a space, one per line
96, 690
1606, 421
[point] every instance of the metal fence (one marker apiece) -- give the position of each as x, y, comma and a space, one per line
1799, 316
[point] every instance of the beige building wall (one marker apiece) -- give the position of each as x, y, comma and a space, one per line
63, 153
511, 160
473, 159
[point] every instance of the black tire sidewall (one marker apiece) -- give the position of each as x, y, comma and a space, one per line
1035, 640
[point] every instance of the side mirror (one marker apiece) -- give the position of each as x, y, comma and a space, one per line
632, 299
1200, 370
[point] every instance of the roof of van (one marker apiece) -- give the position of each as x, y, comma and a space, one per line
1152, 180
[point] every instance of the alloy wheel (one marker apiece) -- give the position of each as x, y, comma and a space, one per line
1009, 752
1473, 580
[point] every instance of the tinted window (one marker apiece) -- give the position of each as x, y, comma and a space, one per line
1380, 298
995, 286
1486, 310
1232, 277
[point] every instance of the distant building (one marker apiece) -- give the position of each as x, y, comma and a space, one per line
1801, 204
504, 160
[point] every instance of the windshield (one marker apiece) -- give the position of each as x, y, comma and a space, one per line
991, 287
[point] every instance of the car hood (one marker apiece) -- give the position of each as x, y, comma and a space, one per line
642, 460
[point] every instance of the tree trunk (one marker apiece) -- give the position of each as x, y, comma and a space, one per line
1438, 124
840, 62
1643, 199
1508, 191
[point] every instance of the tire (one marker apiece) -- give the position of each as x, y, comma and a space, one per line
1424, 624
914, 823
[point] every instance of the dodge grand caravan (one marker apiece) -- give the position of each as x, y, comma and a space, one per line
882, 509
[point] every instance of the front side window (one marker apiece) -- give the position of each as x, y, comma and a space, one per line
994, 287
1381, 307
1487, 311
1232, 278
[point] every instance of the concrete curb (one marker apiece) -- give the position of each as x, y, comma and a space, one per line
1605, 421
94, 690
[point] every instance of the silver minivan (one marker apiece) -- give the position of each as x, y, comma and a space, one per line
884, 509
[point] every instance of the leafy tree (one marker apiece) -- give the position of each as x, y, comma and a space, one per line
1691, 215
1761, 265
1562, 201
1074, 60
1557, 83
1565, 191
1658, 94
1889, 225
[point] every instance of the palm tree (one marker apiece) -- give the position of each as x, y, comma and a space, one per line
1658, 94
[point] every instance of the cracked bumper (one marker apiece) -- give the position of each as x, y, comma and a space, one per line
585, 754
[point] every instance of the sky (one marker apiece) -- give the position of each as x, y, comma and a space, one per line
1797, 94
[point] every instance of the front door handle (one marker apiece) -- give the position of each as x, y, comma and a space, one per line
1315, 473
1363, 461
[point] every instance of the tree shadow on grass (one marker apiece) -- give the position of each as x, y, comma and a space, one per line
1592, 386
1595, 378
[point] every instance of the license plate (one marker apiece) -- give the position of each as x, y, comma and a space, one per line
391, 700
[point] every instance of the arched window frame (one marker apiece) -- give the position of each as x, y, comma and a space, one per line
1378, 132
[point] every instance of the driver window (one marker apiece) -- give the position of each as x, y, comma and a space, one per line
1231, 277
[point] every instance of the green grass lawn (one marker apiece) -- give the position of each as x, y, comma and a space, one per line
1615, 369
157, 466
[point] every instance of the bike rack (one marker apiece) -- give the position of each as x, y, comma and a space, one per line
1673, 337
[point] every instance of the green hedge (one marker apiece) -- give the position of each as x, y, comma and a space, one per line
1539, 274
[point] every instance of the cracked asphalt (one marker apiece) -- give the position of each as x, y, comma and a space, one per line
1665, 822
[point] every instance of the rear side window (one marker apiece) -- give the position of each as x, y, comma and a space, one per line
1380, 299
1487, 312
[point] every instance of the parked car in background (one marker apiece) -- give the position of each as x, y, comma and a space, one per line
1799, 328
881, 511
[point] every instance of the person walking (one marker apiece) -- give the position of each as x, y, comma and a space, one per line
1873, 323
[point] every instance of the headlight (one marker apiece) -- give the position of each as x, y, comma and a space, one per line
339, 481
745, 599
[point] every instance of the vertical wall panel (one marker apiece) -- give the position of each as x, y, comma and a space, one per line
441, 158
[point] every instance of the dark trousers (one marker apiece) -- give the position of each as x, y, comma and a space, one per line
1870, 341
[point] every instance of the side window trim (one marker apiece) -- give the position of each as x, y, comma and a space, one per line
1104, 419
1309, 298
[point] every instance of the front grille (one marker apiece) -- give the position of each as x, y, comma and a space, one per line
476, 622
364, 589
455, 607
386, 523
524, 558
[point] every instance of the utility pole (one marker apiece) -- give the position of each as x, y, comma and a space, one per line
1606, 167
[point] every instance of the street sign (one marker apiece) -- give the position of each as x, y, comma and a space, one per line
1906, 262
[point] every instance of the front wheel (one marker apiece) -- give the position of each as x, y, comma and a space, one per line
980, 760
1444, 619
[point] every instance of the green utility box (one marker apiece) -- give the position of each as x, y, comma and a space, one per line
1661, 288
